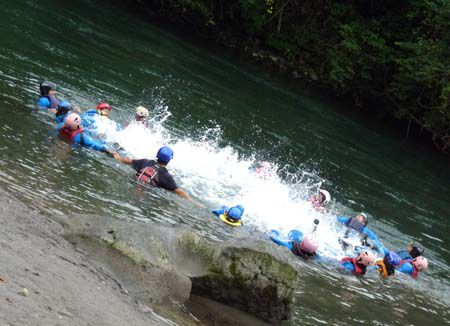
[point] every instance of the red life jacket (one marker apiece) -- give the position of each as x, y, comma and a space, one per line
69, 134
358, 270
404, 261
149, 174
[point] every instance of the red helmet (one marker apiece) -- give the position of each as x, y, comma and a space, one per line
103, 106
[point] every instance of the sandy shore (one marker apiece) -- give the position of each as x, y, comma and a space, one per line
64, 286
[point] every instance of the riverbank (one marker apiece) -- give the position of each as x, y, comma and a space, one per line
69, 274
44, 280
370, 57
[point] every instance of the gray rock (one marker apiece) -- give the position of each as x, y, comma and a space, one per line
158, 264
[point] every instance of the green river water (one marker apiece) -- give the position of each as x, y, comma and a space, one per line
220, 115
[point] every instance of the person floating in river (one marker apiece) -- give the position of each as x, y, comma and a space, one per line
230, 215
91, 118
412, 267
412, 251
154, 172
320, 200
62, 111
141, 115
358, 226
47, 99
358, 265
71, 130
304, 246
386, 266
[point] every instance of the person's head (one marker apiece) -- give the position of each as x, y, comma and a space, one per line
420, 263
392, 258
103, 109
73, 121
415, 249
309, 244
324, 196
141, 113
47, 88
235, 213
365, 258
63, 108
164, 155
362, 218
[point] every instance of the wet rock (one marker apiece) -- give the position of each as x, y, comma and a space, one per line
159, 264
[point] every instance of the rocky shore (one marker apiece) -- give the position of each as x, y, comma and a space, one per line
95, 270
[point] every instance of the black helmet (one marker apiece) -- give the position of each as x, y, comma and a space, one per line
45, 87
416, 250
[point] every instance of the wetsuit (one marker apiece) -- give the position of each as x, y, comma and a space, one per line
295, 237
364, 231
149, 172
350, 264
47, 102
407, 267
79, 137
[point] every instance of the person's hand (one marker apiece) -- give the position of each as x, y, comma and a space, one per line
115, 155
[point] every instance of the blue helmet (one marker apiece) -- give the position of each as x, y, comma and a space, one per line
164, 155
392, 258
236, 212
63, 105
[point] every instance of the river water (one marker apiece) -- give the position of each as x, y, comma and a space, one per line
220, 116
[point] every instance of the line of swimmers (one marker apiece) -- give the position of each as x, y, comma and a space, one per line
78, 130
410, 261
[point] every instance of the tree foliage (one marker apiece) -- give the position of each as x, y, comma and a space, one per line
389, 56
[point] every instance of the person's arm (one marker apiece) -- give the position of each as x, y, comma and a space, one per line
43, 103
91, 143
342, 219
371, 235
406, 268
126, 160
275, 237
180, 192
348, 266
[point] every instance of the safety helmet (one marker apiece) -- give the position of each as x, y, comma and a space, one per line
235, 212
142, 111
45, 87
416, 250
64, 106
326, 194
421, 263
366, 219
392, 258
309, 244
73, 121
164, 155
365, 258
103, 106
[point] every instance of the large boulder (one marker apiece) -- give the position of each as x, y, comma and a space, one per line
158, 264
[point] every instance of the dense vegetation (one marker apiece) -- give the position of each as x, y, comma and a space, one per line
386, 55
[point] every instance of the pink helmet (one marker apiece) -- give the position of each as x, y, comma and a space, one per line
309, 244
73, 121
365, 258
421, 263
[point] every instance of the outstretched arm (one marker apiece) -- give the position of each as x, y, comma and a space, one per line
126, 160
180, 192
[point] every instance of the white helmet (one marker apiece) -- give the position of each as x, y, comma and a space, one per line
326, 194
142, 111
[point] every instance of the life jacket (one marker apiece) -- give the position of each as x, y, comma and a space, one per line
359, 270
404, 261
69, 134
297, 250
385, 269
149, 175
